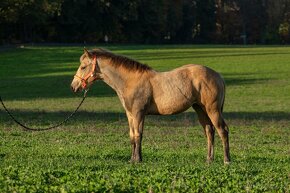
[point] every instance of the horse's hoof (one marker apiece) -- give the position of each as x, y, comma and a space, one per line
133, 161
137, 161
227, 163
209, 162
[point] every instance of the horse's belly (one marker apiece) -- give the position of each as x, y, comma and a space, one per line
173, 92
170, 105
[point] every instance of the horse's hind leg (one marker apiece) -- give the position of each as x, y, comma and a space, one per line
208, 129
222, 128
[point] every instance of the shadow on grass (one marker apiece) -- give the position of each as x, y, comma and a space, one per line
47, 87
182, 119
243, 81
28, 74
192, 54
59, 87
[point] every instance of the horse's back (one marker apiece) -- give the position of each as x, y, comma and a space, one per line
196, 75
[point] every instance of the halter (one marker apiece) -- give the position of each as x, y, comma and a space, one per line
90, 74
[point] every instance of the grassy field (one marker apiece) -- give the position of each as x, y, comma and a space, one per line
91, 152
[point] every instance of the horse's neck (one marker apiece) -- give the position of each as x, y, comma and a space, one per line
113, 77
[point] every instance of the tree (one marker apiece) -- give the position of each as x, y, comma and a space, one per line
26, 18
187, 31
205, 20
144, 21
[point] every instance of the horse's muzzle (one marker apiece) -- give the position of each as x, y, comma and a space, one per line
75, 88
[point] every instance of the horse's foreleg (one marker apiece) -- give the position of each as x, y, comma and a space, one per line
131, 133
138, 124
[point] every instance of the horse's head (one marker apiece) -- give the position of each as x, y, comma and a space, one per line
87, 72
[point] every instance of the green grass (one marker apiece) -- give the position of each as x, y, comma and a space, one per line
91, 152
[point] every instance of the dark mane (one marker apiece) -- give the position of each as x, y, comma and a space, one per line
121, 61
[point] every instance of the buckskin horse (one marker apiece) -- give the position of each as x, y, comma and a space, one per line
144, 91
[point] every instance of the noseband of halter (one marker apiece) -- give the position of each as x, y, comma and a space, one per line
90, 74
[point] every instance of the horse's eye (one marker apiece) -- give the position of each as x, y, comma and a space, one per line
83, 67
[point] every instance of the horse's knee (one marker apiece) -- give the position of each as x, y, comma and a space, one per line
132, 139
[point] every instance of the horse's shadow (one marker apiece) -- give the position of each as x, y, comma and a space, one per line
188, 118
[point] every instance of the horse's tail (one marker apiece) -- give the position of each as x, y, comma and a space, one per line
224, 95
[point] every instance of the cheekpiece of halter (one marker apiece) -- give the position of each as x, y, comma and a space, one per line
91, 73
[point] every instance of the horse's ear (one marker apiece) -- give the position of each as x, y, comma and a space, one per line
87, 53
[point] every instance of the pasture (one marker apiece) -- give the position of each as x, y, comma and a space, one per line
90, 153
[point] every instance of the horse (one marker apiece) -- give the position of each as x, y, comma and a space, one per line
144, 91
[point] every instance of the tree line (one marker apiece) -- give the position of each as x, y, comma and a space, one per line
145, 21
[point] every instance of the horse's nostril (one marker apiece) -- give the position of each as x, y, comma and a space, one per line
72, 88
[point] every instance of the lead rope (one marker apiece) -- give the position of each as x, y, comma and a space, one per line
47, 128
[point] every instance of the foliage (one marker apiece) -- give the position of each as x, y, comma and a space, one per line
26, 11
90, 153
141, 21
21, 19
